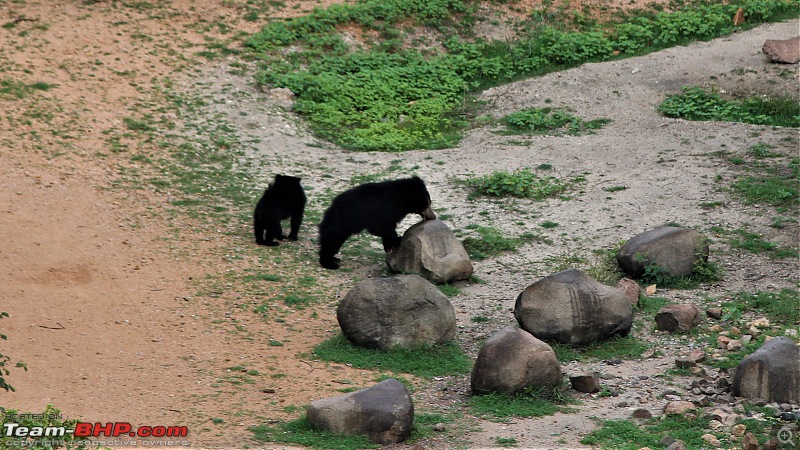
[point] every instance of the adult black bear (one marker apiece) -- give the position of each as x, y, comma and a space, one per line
284, 198
376, 207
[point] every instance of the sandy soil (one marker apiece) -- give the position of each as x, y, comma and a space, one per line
102, 291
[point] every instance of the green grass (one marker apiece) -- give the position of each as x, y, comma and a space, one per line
782, 306
425, 362
551, 121
390, 96
754, 243
491, 242
11, 89
502, 407
522, 183
702, 272
629, 347
623, 434
695, 103
301, 432
449, 290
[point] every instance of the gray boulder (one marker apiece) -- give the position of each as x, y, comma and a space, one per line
401, 311
511, 360
674, 249
430, 249
570, 307
771, 373
784, 51
383, 412
678, 317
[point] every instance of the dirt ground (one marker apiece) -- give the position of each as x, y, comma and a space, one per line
102, 291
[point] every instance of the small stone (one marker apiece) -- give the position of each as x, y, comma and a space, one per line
749, 442
697, 355
723, 341
677, 445
746, 339
761, 322
715, 328
679, 407
711, 440
586, 382
714, 313
735, 345
684, 362
772, 443
622, 405
666, 441
631, 290
439, 427
714, 425
739, 430
642, 413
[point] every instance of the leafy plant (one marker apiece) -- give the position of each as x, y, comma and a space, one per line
4, 359
550, 121
391, 97
695, 103
703, 271
524, 183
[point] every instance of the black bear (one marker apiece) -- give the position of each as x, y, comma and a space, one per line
284, 198
376, 207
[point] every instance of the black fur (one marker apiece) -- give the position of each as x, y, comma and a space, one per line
375, 207
283, 199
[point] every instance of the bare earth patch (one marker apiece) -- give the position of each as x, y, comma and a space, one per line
108, 293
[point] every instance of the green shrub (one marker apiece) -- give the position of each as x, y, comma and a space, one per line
524, 183
389, 97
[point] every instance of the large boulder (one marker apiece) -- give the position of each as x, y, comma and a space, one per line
771, 373
430, 249
511, 360
383, 412
676, 250
571, 307
401, 311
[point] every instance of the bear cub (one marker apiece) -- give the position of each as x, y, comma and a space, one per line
375, 207
283, 199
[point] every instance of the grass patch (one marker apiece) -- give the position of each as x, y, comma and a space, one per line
449, 290
753, 243
628, 347
501, 407
702, 272
627, 435
550, 121
491, 242
12, 89
300, 432
425, 362
695, 103
782, 306
522, 183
